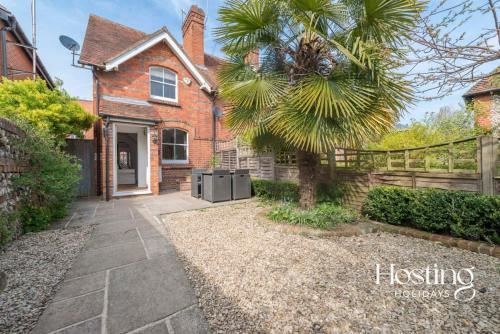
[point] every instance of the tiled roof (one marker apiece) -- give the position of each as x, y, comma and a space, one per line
127, 109
105, 39
485, 85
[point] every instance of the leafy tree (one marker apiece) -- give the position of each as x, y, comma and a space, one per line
445, 125
53, 110
326, 77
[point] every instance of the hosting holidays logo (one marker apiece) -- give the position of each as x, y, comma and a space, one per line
429, 282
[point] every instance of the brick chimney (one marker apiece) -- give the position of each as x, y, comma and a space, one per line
193, 34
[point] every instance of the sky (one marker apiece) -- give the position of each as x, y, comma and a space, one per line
69, 17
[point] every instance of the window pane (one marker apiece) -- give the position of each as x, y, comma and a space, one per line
169, 91
156, 89
180, 152
168, 152
168, 136
169, 77
181, 137
156, 73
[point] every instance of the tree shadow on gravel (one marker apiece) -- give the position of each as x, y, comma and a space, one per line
222, 312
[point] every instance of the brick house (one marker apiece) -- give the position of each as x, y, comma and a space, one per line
156, 100
485, 94
16, 56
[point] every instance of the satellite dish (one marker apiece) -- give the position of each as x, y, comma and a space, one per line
69, 43
216, 111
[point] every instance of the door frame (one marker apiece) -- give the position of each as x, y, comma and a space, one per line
116, 126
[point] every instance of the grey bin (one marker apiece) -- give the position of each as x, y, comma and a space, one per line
241, 184
217, 185
197, 182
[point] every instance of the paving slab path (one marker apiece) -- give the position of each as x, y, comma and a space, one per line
128, 278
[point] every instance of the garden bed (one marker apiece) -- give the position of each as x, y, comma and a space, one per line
253, 275
35, 264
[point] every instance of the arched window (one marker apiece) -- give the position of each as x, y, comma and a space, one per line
174, 146
163, 83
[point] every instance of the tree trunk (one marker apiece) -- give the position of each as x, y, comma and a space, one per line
308, 169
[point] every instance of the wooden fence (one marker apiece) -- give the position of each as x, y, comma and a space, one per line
471, 164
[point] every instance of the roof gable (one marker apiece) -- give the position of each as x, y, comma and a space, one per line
108, 44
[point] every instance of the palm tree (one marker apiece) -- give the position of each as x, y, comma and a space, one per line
327, 74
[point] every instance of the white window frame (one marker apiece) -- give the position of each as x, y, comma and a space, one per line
176, 86
165, 161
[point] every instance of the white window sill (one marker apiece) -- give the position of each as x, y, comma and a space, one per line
175, 162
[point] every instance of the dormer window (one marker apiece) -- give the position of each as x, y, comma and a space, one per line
163, 83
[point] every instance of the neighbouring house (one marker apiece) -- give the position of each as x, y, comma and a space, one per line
88, 106
156, 99
485, 95
16, 52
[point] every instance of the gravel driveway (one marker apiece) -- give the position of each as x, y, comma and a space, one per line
251, 276
35, 264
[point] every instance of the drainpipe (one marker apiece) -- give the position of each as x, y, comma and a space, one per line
98, 137
5, 70
214, 125
106, 137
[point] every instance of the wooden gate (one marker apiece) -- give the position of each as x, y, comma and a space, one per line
83, 149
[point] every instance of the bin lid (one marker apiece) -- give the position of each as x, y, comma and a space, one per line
198, 170
221, 172
242, 171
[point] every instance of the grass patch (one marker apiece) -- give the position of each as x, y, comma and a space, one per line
324, 216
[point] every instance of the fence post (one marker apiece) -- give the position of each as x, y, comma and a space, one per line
389, 163
450, 158
332, 163
427, 160
488, 153
407, 160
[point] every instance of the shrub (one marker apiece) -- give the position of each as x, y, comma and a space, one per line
466, 215
323, 216
329, 193
50, 182
275, 191
289, 192
389, 205
7, 227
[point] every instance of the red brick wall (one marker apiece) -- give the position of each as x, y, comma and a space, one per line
192, 113
482, 109
192, 33
16, 58
88, 106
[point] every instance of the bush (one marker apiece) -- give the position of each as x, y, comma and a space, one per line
462, 214
275, 191
323, 216
289, 192
50, 182
7, 227
329, 193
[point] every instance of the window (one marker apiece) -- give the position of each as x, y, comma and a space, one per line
163, 83
174, 146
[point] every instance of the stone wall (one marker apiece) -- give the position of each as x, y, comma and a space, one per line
11, 165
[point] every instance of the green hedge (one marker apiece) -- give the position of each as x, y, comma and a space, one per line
462, 214
289, 192
275, 191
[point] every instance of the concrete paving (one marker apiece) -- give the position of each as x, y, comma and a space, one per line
127, 279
